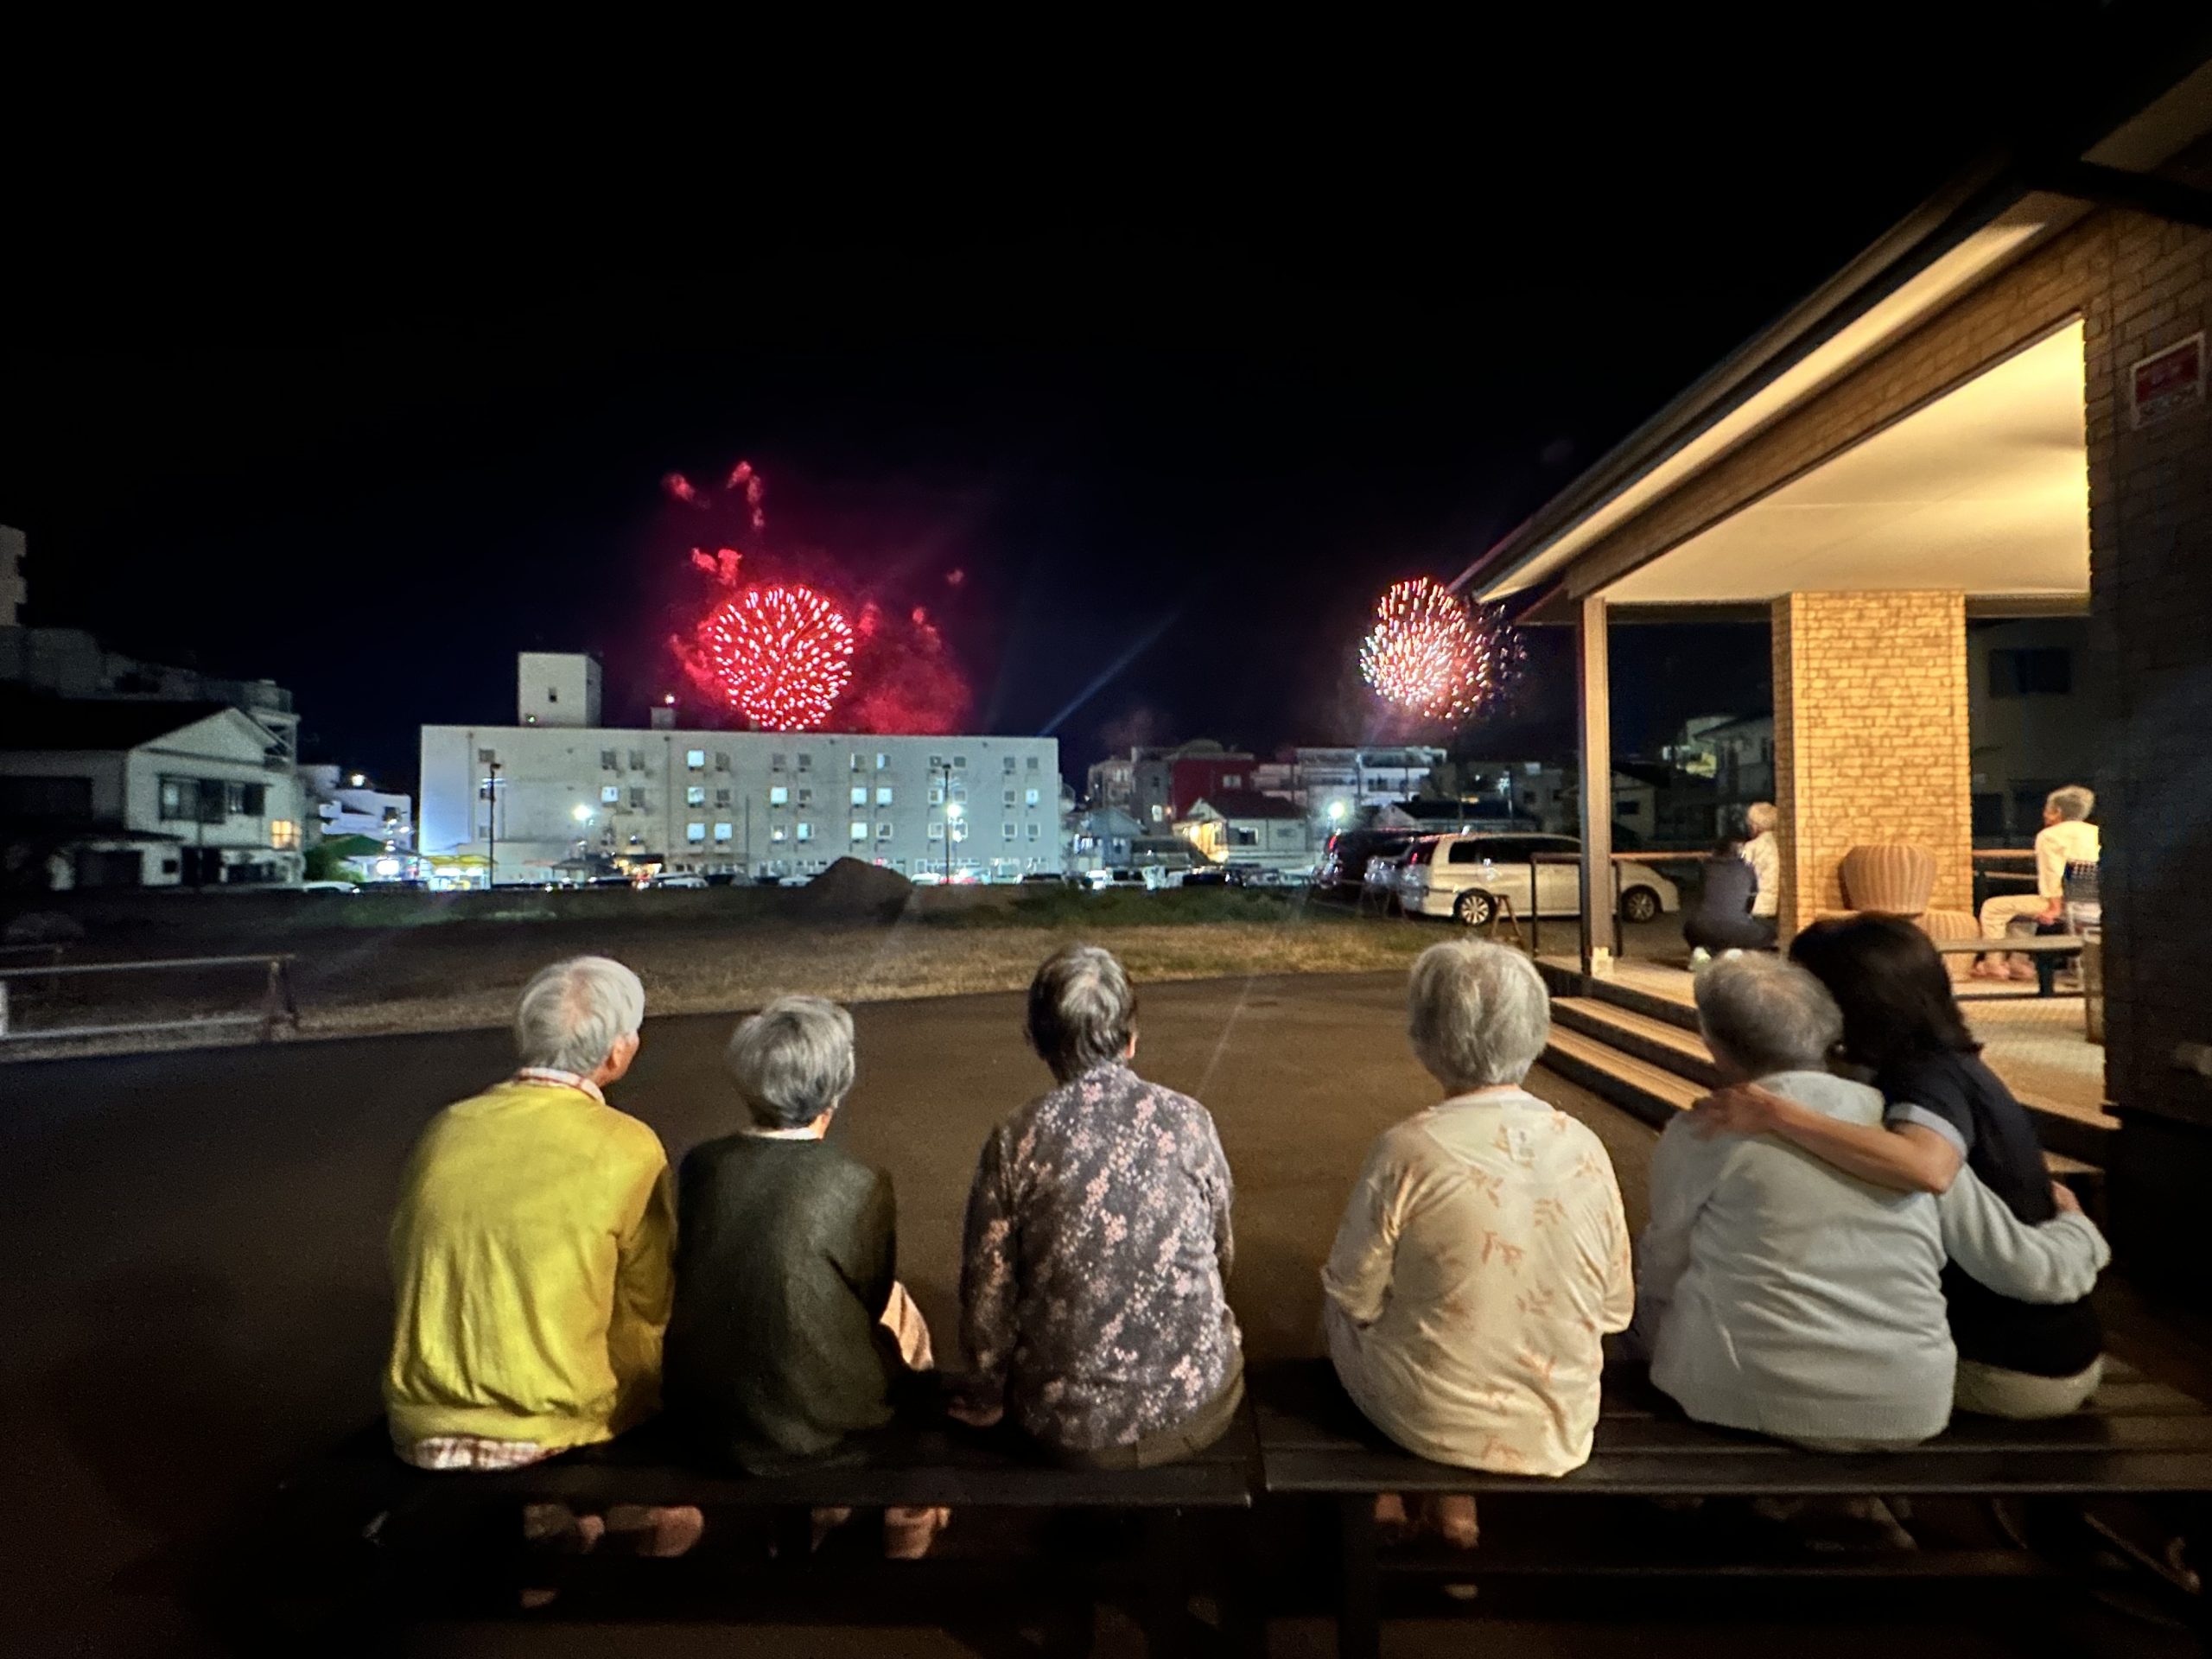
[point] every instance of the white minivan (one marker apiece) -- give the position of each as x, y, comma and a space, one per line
1465, 875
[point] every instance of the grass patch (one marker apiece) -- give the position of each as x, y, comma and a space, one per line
1073, 907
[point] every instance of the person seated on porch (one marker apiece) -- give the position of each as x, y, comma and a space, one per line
2066, 838
1777, 1294
530, 1258
1945, 1110
1483, 1251
1723, 918
1763, 854
1093, 1298
790, 1333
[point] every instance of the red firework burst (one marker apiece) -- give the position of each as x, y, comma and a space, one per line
1433, 654
780, 656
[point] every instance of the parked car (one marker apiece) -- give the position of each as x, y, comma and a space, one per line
1212, 875
1379, 882
328, 887
1101, 879
680, 879
1345, 861
1465, 875
1041, 879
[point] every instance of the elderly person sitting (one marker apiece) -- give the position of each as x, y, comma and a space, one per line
530, 1254
789, 1332
1779, 1294
1483, 1251
2066, 838
1092, 1287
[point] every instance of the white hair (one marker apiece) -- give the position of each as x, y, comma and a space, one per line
1766, 1015
2072, 802
1083, 1011
1760, 816
792, 1061
1478, 1015
572, 1014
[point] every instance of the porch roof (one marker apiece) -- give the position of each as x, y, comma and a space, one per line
1984, 220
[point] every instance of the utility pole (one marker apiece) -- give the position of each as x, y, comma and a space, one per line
491, 827
952, 818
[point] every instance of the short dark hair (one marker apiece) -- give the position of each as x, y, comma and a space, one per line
1083, 1010
1889, 980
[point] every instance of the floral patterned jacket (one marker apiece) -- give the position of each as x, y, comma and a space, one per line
1097, 1246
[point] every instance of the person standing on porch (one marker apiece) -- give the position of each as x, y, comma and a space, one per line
2066, 838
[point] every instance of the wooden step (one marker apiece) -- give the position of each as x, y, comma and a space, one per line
1657, 1042
1656, 1092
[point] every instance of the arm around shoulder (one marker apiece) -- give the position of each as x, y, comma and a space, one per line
2054, 1262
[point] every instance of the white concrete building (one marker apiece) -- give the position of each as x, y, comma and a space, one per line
557, 688
117, 793
546, 800
337, 802
1334, 784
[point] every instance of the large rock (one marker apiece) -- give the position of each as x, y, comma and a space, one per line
851, 890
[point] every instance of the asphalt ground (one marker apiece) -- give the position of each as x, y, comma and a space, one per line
196, 1301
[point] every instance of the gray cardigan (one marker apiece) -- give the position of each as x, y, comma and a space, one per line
1777, 1293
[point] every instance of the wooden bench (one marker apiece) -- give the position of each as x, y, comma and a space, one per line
432, 1543
2137, 1438
2045, 948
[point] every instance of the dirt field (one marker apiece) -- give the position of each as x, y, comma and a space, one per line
359, 973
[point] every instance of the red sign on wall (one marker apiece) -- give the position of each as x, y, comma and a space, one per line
2167, 381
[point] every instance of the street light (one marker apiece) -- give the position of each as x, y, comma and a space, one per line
581, 814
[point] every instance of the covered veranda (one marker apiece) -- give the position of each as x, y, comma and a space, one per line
1975, 419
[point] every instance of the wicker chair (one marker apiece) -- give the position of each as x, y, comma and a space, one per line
1892, 878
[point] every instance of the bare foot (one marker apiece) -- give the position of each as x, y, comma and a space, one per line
1452, 1515
908, 1534
660, 1531
1390, 1518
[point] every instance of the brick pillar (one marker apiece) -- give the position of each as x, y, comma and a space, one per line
1870, 740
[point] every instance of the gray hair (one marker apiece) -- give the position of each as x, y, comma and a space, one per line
572, 1014
792, 1061
1760, 816
1478, 1015
1083, 1011
1766, 1015
2073, 802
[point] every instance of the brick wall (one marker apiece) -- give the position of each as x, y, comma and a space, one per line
2151, 644
1870, 739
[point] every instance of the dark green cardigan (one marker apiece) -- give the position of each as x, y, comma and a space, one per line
785, 1256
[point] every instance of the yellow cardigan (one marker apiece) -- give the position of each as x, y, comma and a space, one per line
531, 1258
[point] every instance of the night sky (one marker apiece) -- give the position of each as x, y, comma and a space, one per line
1184, 363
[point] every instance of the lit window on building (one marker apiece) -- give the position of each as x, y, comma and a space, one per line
778, 795
858, 832
806, 832
860, 795
610, 794
722, 832
284, 835
695, 760
882, 762
1033, 798
695, 795
776, 833
695, 832
883, 795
